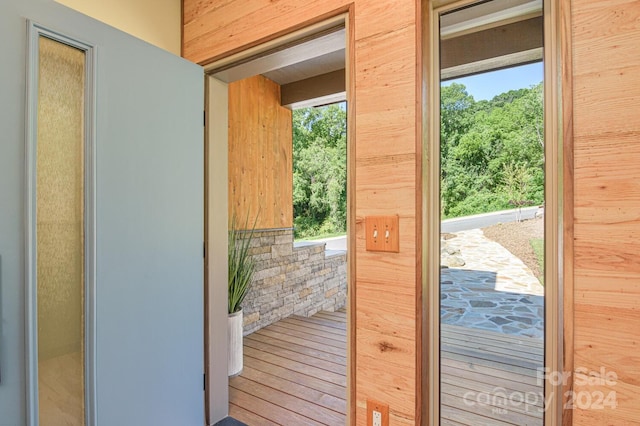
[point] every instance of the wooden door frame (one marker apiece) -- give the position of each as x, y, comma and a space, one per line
215, 340
558, 207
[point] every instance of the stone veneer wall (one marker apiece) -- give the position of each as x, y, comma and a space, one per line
299, 279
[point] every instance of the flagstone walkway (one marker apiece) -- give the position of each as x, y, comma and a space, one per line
494, 290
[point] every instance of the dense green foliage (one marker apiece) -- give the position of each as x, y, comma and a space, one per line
491, 158
491, 151
319, 170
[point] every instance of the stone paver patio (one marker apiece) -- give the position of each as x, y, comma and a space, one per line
493, 290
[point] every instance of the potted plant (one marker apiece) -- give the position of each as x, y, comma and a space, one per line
241, 269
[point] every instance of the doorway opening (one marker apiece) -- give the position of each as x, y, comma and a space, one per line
295, 321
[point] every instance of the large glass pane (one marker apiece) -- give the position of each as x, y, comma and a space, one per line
60, 229
492, 208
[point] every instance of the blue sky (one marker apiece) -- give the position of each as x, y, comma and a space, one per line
487, 85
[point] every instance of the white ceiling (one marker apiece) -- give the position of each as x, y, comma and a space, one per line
300, 61
323, 64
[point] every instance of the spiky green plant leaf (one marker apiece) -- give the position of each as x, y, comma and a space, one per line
241, 263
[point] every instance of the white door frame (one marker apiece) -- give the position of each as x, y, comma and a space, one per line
216, 260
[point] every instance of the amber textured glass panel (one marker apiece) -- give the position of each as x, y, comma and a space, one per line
60, 229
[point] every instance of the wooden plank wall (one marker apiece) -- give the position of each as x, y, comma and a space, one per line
606, 61
606, 102
385, 120
260, 154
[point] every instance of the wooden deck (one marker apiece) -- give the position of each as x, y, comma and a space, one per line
489, 378
295, 374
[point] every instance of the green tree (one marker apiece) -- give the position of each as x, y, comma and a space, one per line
492, 157
319, 170
456, 116
484, 144
517, 179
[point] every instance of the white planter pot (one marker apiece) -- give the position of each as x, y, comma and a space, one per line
234, 361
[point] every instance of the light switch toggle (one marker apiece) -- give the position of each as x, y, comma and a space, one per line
390, 242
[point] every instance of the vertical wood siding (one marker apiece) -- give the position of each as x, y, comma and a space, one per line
260, 149
606, 99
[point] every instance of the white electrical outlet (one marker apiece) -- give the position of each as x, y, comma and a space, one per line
377, 418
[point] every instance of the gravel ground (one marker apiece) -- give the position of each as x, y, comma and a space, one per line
515, 237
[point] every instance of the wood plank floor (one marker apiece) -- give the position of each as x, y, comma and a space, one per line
295, 374
489, 378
